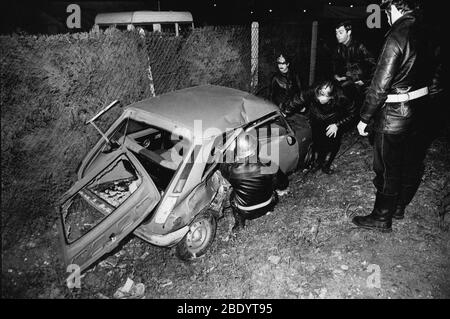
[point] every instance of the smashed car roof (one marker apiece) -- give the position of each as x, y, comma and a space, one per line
215, 106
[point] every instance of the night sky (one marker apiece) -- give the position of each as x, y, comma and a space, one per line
35, 16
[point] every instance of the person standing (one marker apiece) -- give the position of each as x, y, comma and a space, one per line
395, 102
352, 63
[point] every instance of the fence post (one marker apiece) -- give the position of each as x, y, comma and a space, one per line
150, 77
254, 55
312, 65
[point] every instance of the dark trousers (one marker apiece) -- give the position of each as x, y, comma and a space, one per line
398, 164
323, 145
355, 93
350, 90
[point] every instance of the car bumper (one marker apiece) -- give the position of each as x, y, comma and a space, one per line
166, 240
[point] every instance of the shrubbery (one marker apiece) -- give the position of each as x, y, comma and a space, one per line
216, 56
50, 86
213, 55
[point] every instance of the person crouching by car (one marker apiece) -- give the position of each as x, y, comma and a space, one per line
253, 182
329, 113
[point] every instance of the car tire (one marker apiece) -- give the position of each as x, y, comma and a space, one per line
199, 237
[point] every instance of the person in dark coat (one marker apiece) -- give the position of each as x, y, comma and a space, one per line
329, 111
285, 87
253, 183
352, 62
396, 104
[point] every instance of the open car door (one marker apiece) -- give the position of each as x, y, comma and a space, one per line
104, 207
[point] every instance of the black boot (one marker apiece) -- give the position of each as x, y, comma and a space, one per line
239, 220
316, 166
399, 212
406, 195
381, 216
326, 168
318, 163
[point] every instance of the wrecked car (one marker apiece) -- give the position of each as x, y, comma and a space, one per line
154, 172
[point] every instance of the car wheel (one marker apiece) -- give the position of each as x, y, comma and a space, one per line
199, 237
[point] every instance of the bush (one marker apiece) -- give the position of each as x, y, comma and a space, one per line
212, 56
50, 86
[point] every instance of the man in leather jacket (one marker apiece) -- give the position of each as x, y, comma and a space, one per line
253, 182
352, 63
395, 102
285, 87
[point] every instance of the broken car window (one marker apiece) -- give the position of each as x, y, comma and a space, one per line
99, 198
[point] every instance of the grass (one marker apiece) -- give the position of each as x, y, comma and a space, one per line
306, 248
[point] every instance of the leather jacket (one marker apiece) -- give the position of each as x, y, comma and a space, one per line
285, 90
402, 67
353, 61
253, 183
340, 111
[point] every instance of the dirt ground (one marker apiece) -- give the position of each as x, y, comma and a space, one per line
306, 248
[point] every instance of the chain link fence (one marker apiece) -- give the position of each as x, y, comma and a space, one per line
211, 55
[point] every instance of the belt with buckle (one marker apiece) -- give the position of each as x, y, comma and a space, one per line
396, 98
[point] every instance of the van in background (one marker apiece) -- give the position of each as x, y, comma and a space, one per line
175, 22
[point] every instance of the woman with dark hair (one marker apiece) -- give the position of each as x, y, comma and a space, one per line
329, 112
285, 86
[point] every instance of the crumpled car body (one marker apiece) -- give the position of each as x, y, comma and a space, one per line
158, 178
